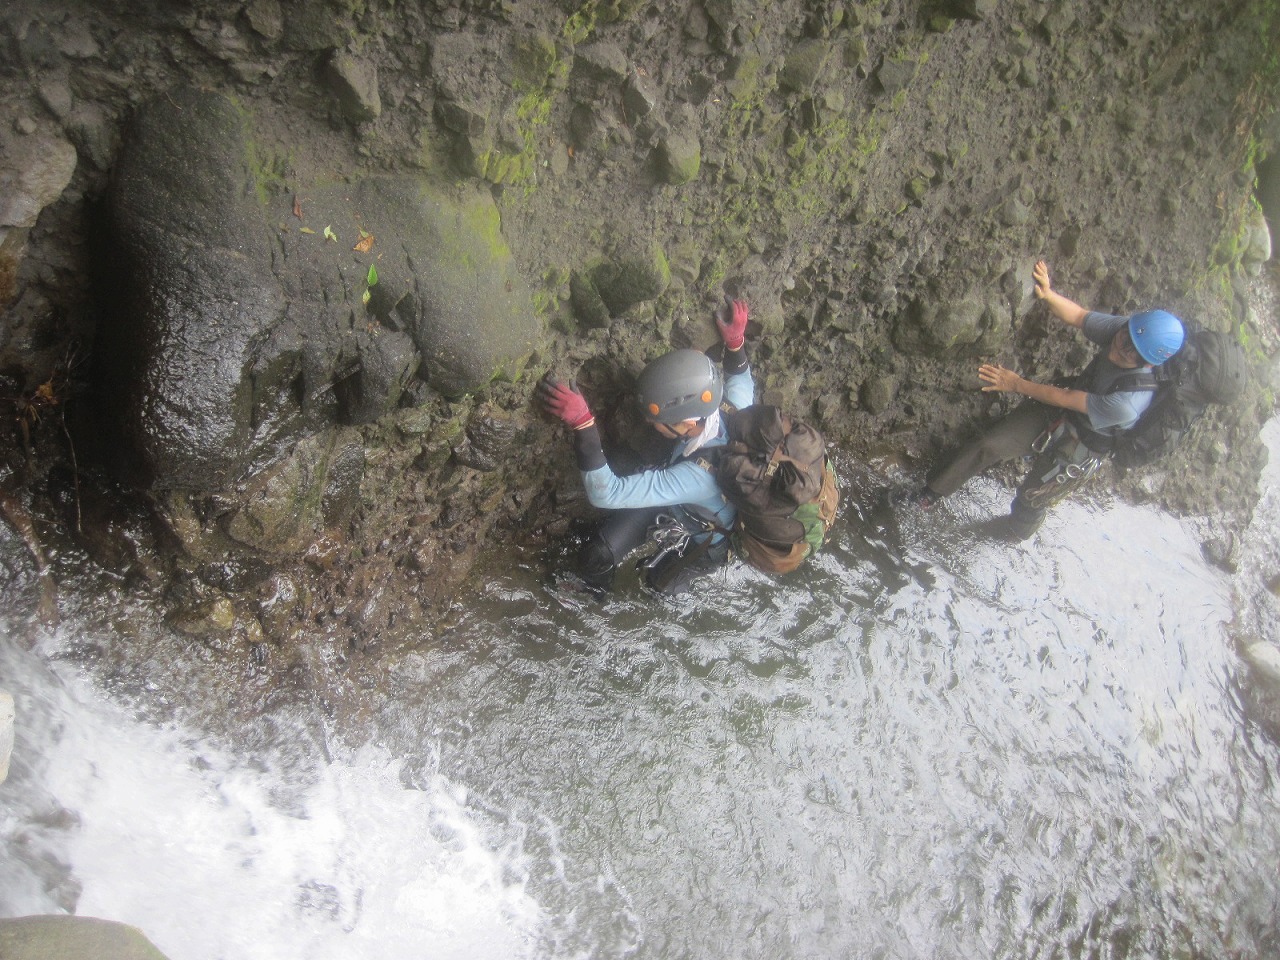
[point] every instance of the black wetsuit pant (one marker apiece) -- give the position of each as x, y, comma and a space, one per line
1008, 438
623, 531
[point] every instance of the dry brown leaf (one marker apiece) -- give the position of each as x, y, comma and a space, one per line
365, 244
297, 207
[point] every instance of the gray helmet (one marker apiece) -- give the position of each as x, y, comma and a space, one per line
681, 385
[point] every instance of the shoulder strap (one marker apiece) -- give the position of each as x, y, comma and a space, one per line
1140, 381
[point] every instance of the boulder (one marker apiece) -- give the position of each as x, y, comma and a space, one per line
972, 9
238, 326
318, 25
895, 75
944, 328
877, 393
639, 97
266, 18
209, 618
73, 938
588, 306
1255, 242
193, 293
34, 170
804, 65
531, 58
282, 511
355, 83
681, 157
487, 441
602, 64
636, 274
590, 127
745, 77
729, 14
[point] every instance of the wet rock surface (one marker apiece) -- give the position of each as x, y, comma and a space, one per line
73, 938
234, 330
329, 435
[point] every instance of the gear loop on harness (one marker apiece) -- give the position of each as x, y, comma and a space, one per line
1051, 435
1064, 464
674, 534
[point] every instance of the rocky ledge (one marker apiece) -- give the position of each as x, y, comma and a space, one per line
276, 279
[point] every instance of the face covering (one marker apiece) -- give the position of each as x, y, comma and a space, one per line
710, 430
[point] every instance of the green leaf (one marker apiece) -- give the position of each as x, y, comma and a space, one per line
372, 278
330, 235
365, 298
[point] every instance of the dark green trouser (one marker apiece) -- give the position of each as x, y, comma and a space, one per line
1009, 438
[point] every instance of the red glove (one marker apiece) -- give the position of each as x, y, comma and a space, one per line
731, 321
565, 403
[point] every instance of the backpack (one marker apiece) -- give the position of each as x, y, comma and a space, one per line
775, 470
1210, 368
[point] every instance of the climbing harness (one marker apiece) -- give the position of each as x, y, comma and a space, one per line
671, 536
1064, 465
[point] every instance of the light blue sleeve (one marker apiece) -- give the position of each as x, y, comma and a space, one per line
740, 389
684, 482
1118, 411
1102, 327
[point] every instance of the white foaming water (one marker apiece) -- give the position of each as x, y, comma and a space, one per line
219, 857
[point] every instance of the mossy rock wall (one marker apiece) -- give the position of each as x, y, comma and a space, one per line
247, 315
575, 187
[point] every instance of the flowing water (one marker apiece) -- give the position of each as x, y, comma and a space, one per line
930, 743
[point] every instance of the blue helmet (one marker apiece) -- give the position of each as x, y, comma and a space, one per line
1156, 334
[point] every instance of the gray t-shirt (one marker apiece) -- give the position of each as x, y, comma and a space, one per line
1110, 413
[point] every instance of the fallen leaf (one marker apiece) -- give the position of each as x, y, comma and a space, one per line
297, 207
305, 230
329, 234
372, 277
365, 244
366, 296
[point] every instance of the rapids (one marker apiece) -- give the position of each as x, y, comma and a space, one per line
930, 743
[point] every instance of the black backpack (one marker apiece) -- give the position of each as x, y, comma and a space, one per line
1210, 368
775, 470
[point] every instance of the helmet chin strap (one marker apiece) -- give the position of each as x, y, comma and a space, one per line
710, 430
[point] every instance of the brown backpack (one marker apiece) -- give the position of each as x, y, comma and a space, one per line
775, 470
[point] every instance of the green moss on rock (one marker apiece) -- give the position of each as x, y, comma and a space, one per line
681, 158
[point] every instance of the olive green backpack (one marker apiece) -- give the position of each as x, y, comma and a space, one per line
775, 470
